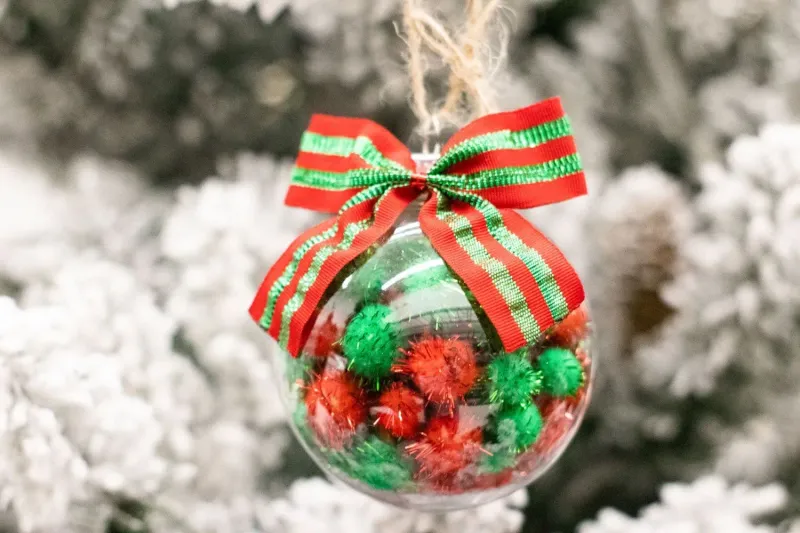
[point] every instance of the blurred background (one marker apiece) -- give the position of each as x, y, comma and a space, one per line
145, 146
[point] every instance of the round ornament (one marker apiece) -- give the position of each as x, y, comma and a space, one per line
436, 349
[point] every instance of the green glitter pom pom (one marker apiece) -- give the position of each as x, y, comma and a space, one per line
512, 379
499, 458
370, 342
379, 465
562, 373
518, 428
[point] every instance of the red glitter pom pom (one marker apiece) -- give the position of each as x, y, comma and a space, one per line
336, 407
583, 357
560, 418
326, 338
573, 328
446, 447
443, 369
444, 484
400, 411
493, 481
559, 413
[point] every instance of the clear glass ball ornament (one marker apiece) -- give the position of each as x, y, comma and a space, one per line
404, 392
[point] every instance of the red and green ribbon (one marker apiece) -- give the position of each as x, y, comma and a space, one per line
357, 169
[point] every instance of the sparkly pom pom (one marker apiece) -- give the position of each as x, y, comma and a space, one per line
572, 329
494, 480
519, 427
335, 406
498, 457
379, 464
446, 447
512, 380
586, 365
400, 411
370, 342
557, 412
326, 338
562, 372
443, 369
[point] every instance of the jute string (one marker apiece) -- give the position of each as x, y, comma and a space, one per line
467, 56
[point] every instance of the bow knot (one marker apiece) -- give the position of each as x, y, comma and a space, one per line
356, 168
418, 181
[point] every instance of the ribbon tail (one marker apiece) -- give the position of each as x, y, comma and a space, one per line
558, 274
288, 301
519, 278
259, 305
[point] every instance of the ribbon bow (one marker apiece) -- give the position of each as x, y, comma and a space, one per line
514, 160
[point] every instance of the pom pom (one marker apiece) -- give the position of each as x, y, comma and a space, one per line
519, 427
380, 465
400, 411
443, 369
326, 338
370, 342
512, 380
572, 329
586, 365
335, 405
446, 447
557, 412
445, 485
562, 372
498, 457
493, 480
545, 402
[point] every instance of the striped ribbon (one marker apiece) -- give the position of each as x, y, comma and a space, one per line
357, 169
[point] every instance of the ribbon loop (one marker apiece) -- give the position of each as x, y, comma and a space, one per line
512, 160
518, 159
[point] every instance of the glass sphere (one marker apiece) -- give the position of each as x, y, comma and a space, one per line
403, 390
